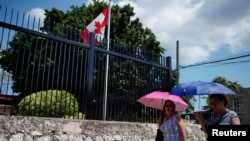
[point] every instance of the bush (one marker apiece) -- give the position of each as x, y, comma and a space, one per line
51, 103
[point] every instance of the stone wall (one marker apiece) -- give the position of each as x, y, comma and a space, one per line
18, 128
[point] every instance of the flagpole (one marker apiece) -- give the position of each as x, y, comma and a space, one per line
107, 66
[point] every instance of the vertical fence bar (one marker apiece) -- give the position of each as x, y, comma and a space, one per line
170, 76
90, 70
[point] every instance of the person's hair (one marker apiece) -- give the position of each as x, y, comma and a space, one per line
170, 101
220, 97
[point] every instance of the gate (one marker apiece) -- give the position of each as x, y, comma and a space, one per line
35, 63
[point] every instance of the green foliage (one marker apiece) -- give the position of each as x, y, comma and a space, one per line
76, 116
51, 103
190, 101
234, 86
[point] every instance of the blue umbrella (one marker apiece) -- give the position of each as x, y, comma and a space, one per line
200, 88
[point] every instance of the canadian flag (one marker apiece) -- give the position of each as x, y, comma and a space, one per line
97, 26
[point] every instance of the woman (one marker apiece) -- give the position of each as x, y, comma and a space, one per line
172, 125
219, 115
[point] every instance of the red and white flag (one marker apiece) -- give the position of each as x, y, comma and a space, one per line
97, 26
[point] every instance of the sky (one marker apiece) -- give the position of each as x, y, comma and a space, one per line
207, 30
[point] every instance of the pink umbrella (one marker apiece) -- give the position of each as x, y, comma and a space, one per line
156, 100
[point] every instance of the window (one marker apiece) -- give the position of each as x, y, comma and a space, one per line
235, 105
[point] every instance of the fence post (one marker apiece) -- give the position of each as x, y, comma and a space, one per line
170, 75
90, 72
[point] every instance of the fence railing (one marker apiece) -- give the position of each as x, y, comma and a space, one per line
47, 74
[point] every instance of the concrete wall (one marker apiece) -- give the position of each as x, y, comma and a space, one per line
18, 128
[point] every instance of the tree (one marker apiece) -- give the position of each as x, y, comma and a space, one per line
234, 86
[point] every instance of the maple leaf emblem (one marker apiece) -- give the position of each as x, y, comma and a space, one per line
99, 26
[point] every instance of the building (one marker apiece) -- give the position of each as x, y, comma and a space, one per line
7, 103
240, 103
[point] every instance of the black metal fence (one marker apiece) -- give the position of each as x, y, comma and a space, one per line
54, 74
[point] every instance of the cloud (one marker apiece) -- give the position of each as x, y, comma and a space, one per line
38, 14
202, 27
224, 11
190, 54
